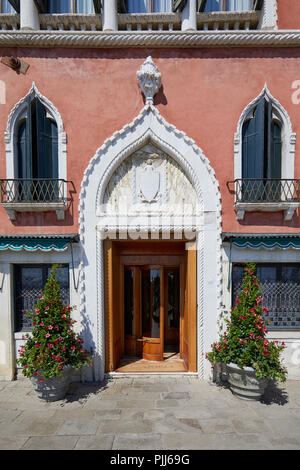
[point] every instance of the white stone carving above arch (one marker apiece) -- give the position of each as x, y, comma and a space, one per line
149, 130
149, 181
17, 114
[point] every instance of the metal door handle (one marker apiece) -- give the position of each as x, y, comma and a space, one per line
143, 340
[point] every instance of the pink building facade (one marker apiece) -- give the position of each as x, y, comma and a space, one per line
170, 121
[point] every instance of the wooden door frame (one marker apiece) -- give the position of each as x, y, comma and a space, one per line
140, 253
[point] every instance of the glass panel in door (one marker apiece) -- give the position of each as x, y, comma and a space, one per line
152, 313
172, 307
129, 312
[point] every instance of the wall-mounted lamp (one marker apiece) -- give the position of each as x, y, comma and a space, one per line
16, 64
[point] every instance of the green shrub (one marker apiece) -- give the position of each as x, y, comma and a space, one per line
245, 343
52, 344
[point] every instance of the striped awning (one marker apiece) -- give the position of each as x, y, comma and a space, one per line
267, 241
37, 242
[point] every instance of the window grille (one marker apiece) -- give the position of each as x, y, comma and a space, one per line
29, 283
280, 284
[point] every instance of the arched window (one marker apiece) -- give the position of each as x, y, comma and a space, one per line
36, 157
37, 143
37, 154
261, 153
264, 152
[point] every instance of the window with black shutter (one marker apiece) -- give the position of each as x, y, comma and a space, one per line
37, 144
261, 154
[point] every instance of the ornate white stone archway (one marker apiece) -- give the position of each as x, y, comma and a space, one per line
150, 127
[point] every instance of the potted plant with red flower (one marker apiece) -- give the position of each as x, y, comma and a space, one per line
52, 349
251, 359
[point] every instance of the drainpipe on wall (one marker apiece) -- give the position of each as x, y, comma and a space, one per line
189, 16
29, 16
110, 15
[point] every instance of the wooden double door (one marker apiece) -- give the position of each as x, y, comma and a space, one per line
150, 302
151, 310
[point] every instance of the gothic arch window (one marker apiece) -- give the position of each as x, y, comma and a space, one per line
261, 152
37, 143
35, 157
264, 149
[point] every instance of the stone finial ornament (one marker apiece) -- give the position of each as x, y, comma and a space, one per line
149, 79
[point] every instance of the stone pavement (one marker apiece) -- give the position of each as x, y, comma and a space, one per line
157, 412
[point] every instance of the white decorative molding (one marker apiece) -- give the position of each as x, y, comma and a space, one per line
13, 207
149, 21
70, 22
288, 150
110, 15
149, 79
189, 16
150, 126
269, 18
288, 208
10, 136
10, 21
29, 16
125, 39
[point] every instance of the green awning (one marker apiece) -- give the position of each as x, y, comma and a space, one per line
37, 242
268, 241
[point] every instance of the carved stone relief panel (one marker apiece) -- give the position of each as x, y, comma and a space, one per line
149, 181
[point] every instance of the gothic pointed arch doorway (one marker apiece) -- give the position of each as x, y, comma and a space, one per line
149, 183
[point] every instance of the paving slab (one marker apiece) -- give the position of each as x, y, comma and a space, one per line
149, 413
78, 427
50, 443
12, 443
138, 442
103, 442
125, 426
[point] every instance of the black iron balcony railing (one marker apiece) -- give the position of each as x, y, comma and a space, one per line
266, 190
33, 191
